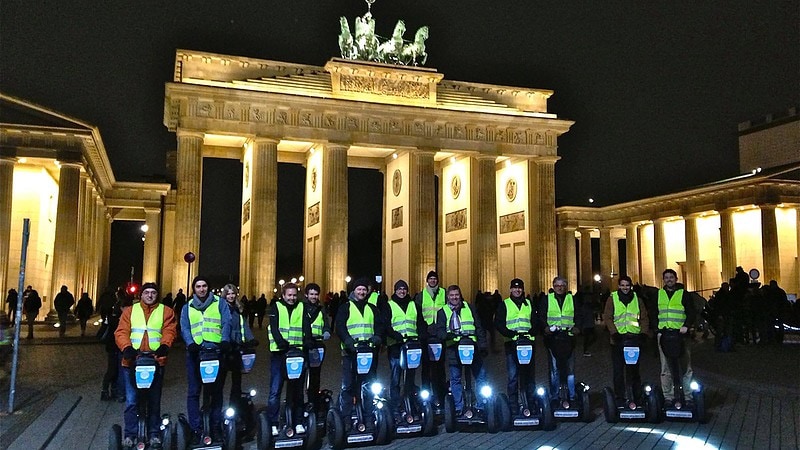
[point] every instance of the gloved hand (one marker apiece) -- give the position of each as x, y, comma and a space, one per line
193, 347
326, 336
162, 351
225, 346
576, 331
350, 346
129, 353
376, 340
283, 346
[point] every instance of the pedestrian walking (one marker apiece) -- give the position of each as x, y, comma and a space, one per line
31, 306
84, 310
63, 303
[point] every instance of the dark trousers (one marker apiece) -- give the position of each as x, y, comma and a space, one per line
396, 373
62, 322
112, 370
432, 375
153, 398
294, 391
623, 371
589, 338
31, 318
212, 395
314, 384
520, 376
349, 379
233, 365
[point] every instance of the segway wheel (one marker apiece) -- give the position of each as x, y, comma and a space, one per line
609, 406
382, 426
428, 423
182, 433
313, 436
700, 406
586, 407
230, 435
167, 436
504, 411
548, 421
115, 437
492, 419
449, 414
335, 429
263, 432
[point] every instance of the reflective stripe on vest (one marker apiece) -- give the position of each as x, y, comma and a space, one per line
317, 324
152, 326
626, 318
360, 327
518, 319
206, 325
563, 317
431, 306
290, 327
403, 322
467, 321
670, 310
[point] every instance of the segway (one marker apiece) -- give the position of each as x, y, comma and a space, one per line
673, 345
209, 370
143, 374
415, 409
565, 408
637, 406
528, 412
320, 402
244, 411
435, 350
472, 415
368, 422
287, 436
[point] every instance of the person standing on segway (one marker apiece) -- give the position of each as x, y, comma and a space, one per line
675, 312
205, 323
320, 331
356, 320
625, 314
515, 319
146, 326
403, 319
430, 300
241, 338
288, 324
456, 320
557, 312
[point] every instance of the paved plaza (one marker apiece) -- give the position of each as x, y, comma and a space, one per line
753, 398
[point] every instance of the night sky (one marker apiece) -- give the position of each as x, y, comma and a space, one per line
656, 90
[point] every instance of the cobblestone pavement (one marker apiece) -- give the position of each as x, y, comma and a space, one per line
753, 398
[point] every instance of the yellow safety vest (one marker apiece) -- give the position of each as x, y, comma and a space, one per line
431, 306
317, 324
360, 326
206, 325
563, 317
403, 322
373, 299
670, 310
626, 318
467, 321
289, 327
518, 319
152, 326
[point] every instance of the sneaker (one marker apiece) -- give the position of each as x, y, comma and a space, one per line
274, 430
155, 443
299, 429
127, 443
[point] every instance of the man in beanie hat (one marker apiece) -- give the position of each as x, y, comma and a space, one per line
146, 326
430, 300
205, 323
356, 320
404, 321
320, 331
514, 319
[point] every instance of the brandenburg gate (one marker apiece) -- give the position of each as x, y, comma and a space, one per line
493, 149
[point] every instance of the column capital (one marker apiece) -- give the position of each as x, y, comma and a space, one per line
331, 145
69, 165
767, 207
426, 150
265, 140
483, 157
152, 210
545, 159
183, 132
691, 216
8, 159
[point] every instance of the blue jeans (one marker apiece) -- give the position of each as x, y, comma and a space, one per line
519, 377
212, 395
555, 382
457, 387
153, 398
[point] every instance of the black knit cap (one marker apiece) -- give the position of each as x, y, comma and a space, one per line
199, 278
401, 284
363, 281
432, 274
516, 282
150, 285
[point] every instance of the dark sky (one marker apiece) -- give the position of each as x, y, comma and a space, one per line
656, 90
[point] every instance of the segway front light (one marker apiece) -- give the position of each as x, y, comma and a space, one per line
252, 393
229, 413
486, 391
540, 392
694, 385
425, 394
376, 388
647, 388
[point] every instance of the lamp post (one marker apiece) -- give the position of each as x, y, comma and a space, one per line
189, 258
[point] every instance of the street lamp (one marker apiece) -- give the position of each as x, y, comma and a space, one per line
347, 279
293, 280
281, 282
301, 278
597, 277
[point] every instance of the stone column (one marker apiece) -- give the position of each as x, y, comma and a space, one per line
6, 198
151, 245
546, 265
797, 230
187, 206
605, 258
769, 245
484, 224
263, 215
66, 238
693, 276
586, 258
727, 241
568, 255
421, 217
334, 216
659, 248
632, 251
